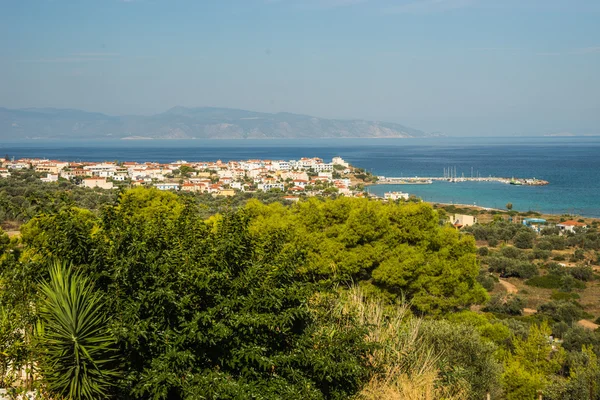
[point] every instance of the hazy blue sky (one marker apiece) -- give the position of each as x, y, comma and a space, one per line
463, 67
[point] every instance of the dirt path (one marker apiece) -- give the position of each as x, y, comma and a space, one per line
588, 324
510, 288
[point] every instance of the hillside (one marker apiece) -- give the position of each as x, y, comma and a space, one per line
188, 123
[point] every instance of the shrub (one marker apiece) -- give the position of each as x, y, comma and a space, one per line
483, 251
577, 337
569, 283
464, 356
549, 281
548, 231
492, 242
540, 254
508, 267
512, 252
558, 242
524, 240
486, 280
505, 304
545, 245
578, 255
559, 257
564, 296
556, 269
559, 329
583, 273
566, 311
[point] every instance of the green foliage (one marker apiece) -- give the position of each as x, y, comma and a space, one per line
483, 251
577, 337
486, 280
496, 231
505, 304
524, 239
564, 296
533, 360
566, 311
582, 273
75, 347
222, 306
584, 377
465, 355
23, 196
240, 305
12, 346
555, 281
510, 267
520, 383
400, 247
578, 255
540, 254
488, 327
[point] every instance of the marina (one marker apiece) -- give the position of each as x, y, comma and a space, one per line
382, 180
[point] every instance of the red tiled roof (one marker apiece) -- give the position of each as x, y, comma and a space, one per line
572, 223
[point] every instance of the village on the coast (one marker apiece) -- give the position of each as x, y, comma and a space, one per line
308, 176
311, 176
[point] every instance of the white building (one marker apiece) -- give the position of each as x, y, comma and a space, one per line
339, 161
462, 220
167, 186
97, 183
396, 196
50, 178
102, 170
268, 186
569, 226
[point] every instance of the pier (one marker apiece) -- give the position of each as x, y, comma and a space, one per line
382, 180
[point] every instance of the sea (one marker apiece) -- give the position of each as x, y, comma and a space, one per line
570, 164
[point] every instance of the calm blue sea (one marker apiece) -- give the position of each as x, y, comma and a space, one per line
571, 164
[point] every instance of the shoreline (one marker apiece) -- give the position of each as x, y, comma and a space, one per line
544, 215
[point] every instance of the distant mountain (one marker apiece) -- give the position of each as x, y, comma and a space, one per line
188, 123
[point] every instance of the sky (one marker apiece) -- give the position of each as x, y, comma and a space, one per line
460, 67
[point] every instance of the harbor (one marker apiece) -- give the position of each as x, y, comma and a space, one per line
450, 175
383, 180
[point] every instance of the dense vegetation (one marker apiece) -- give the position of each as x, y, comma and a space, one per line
177, 297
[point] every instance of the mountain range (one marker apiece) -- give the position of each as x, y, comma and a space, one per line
188, 123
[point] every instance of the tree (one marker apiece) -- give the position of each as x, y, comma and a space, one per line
76, 350
524, 240
531, 364
509, 206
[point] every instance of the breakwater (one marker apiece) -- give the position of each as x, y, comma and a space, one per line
383, 180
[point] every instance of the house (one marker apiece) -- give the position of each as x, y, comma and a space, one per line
4, 173
300, 182
50, 178
226, 192
339, 161
73, 173
460, 220
393, 196
271, 185
191, 187
97, 183
167, 186
47, 168
569, 226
